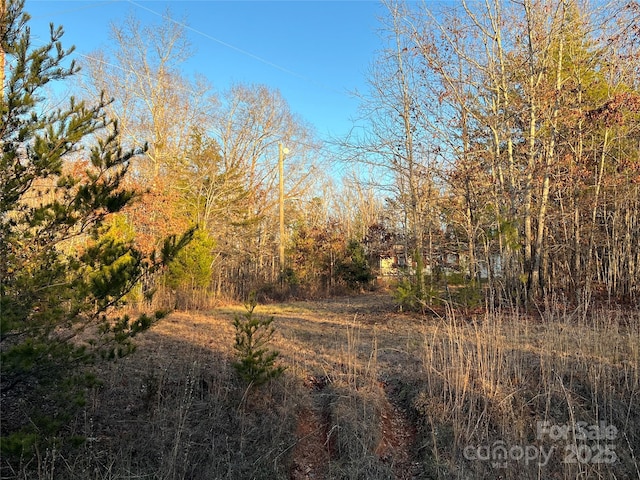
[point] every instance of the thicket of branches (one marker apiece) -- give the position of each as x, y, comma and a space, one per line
503, 140
509, 135
213, 161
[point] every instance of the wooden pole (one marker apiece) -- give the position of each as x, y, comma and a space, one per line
281, 177
3, 26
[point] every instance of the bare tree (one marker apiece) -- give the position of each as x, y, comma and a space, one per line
252, 120
527, 104
155, 103
395, 143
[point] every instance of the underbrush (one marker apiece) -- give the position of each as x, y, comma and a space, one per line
176, 409
506, 397
367, 393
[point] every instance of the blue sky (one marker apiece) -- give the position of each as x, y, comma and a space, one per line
314, 52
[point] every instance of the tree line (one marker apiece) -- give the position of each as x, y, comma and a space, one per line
212, 161
497, 149
508, 136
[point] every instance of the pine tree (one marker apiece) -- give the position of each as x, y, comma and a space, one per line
354, 268
60, 276
256, 362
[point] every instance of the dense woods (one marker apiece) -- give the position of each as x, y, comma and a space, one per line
503, 141
496, 164
509, 135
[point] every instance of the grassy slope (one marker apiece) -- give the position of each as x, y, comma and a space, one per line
368, 393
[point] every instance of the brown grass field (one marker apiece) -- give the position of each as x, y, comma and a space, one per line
370, 393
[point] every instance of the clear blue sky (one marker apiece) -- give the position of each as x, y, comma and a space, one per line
314, 52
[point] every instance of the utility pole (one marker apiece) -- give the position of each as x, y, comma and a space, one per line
281, 153
3, 27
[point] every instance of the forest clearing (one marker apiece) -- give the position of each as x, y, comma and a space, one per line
368, 393
195, 284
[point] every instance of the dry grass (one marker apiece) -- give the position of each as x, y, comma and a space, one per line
368, 394
494, 380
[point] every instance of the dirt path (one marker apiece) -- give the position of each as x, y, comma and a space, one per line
398, 439
336, 413
359, 329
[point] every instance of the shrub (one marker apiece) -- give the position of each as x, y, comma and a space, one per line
354, 269
256, 363
192, 265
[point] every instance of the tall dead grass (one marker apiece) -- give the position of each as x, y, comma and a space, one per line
503, 381
368, 393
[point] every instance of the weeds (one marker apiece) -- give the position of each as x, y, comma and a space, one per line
374, 396
494, 382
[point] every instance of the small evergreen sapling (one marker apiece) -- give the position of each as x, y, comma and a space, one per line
256, 362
